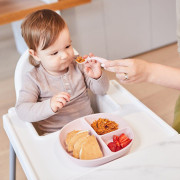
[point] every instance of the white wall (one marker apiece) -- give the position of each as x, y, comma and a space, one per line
86, 24
121, 28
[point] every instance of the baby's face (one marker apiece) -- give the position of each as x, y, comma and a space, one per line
57, 58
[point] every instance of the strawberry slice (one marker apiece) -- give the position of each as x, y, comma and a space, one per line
123, 138
116, 140
112, 146
118, 148
125, 143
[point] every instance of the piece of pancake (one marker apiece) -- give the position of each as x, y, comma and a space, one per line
70, 145
70, 135
77, 146
90, 149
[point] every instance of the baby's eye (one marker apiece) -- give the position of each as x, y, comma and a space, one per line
68, 46
54, 53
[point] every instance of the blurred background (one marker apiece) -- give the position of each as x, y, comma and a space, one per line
115, 29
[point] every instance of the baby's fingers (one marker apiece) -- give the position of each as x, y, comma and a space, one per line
91, 54
59, 105
64, 95
61, 100
85, 56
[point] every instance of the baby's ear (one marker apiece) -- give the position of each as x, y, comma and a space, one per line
34, 54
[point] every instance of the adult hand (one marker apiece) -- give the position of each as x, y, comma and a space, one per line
129, 70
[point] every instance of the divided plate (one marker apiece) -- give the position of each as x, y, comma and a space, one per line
84, 123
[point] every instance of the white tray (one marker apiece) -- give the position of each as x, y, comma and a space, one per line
40, 156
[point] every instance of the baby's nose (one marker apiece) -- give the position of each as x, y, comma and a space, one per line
63, 55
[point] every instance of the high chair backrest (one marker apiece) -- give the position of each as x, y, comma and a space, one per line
22, 67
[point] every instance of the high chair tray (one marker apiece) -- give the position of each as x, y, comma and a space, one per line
41, 157
84, 124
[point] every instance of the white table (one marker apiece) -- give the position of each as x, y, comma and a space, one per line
160, 161
41, 157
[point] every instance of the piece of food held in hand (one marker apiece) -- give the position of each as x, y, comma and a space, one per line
119, 142
79, 59
83, 145
103, 126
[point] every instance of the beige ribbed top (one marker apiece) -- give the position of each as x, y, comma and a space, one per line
38, 87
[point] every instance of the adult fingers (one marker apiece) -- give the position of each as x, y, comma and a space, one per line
120, 62
117, 69
125, 79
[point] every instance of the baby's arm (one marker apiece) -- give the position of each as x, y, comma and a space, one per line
99, 83
29, 109
98, 86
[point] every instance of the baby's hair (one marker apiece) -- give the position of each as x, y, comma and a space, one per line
41, 28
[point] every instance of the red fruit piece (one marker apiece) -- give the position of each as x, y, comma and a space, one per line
118, 148
123, 138
116, 140
112, 146
125, 143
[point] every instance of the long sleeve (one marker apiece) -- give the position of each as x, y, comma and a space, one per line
99, 86
27, 107
39, 87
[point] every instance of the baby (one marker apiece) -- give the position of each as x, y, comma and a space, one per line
55, 91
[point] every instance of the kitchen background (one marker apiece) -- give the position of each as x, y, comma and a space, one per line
111, 29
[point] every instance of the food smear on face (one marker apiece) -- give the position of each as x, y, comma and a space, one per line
79, 59
103, 126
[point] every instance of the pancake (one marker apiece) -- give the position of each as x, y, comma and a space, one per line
77, 146
90, 149
70, 135
73, 140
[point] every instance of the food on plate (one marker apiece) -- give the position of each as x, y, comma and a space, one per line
73, 139
70, 135
119, 142
103, 126
90, 149
77, 146
79, 59
83, 145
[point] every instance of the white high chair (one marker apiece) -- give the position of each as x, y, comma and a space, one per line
22, 67
28, 145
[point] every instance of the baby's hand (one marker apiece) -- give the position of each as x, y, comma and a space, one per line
59, 100
93, 68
